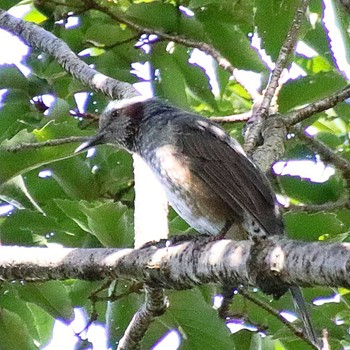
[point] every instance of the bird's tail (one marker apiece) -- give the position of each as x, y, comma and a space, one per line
300, 305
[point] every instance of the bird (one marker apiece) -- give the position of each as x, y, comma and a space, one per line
206, 175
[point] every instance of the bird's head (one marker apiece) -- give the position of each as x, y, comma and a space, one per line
118, 124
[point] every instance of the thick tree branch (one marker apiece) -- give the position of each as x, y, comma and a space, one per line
274, 134
272, 264
39, 38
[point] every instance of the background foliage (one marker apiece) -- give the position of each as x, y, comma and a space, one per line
88, 201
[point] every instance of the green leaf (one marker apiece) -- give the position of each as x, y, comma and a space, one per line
67, 171
106, 34
155, 15
114, 170
12, 78
309, 227
198, 323
240, 54
329, 139
10, 123
14, 334
7, 4
20, 227
23, 136
171, 84
113, 64
236, 12
10, 300
34, 16
177, 225
196, 78
308, 89
51, 296
81, 290
243, 338
60, 110
273, 20
28, 227
119, 315
111, 223
306, 191
43, 323
317, 39
25, 160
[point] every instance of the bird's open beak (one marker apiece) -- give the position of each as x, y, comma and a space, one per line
94, 141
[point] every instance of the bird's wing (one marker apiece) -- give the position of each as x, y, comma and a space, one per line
223, 166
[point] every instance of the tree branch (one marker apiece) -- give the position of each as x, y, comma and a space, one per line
316, 208
286, 50
326, 154
46, 41
253, 130
154, 306
49, 143
179, 39
321, 105
294, 329
271, 264
38, 37
242, 117
274, 134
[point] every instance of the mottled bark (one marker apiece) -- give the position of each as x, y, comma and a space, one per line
272, 264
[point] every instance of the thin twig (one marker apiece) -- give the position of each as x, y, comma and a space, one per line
254, 129
321, 105
49, 143
223, 62
119, 43
326, 154
295, 330
154, 306
180, 39
282, 60
242, 117
316, 208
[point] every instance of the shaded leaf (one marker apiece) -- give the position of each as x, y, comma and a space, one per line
308, 89
310, 227
171, 82
240, 54
13, 333
306, 191
111, 223
25, 160
197, 322
43, 323
273, 19
12, 78
51, 296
